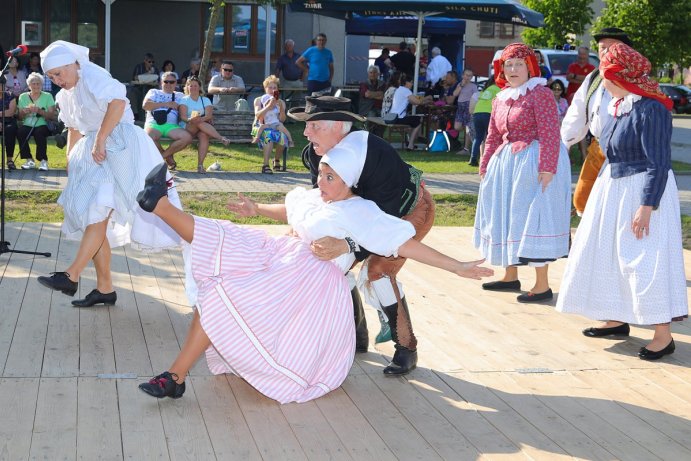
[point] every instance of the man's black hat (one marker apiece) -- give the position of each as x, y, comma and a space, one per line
615, 33
325, 108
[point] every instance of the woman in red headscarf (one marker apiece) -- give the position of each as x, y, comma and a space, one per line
630, 231
525, 195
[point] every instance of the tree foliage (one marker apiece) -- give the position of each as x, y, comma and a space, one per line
658, 28
564, 20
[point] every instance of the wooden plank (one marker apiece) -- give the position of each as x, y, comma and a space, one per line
550, 423
617, 414
464, 415
62, 339
18, 403
161, 343
55, 425
317, 438
353, 429
271, 432
492, 405
141, 427
129, 346
646, 407
446, 440
228, 431
557, 391
392, 426
186, 433
98, 420
25, 356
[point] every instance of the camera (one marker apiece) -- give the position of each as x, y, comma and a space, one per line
276, 94
61, 139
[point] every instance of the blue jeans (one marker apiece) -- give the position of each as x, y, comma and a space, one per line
481, 125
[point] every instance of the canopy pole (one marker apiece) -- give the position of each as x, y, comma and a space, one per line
267, 41
107, 34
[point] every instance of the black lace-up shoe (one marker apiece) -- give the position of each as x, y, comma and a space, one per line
155, 187
96, 297
163, 385
59, 281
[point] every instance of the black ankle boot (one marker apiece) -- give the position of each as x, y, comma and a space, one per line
361, 333
155, 187
404, 360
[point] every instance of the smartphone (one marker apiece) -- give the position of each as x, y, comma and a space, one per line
276, 94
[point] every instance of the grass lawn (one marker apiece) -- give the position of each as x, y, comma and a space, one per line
247, 157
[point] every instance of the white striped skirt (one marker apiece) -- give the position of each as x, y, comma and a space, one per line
94, 192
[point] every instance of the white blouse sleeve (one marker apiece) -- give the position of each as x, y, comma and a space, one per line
377, 231
102, 85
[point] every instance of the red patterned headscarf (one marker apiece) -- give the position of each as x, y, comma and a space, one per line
629, 69
515, 51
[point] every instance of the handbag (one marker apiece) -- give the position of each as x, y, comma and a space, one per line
161, 115
439, 141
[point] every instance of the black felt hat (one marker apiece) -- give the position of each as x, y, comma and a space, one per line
615, 33
325, 108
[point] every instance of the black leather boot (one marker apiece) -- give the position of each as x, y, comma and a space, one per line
404, 360
361, 333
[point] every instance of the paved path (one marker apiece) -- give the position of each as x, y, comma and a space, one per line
283, 182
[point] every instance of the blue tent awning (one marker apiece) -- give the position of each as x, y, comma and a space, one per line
403, 26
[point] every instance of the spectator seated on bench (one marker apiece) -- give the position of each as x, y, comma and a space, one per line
402, 98
270, 111
227, 88
162, 106
196, 115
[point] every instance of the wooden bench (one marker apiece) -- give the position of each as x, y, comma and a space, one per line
391, 128
234, 125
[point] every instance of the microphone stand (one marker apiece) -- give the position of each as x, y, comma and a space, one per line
4, 245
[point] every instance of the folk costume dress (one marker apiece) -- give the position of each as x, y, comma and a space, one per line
637, 281
516, 222
93, 191
275, 314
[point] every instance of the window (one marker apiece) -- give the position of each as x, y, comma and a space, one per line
77, 21
486, 29
247, 26
507, 30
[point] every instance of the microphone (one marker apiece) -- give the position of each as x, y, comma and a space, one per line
21, 50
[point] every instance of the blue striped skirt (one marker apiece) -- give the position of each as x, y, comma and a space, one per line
516, 222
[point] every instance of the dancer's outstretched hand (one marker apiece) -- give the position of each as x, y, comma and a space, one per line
244, 207
471, 270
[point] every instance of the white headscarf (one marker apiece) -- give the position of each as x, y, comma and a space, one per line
60, 53
344, 163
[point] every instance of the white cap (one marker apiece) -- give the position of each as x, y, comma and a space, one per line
61, 53
344, 163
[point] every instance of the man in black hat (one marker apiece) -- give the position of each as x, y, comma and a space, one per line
396, 187
588, 113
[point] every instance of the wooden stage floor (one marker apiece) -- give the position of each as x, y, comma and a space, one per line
496, 379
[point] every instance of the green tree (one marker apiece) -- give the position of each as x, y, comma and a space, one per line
658, 28
564, 20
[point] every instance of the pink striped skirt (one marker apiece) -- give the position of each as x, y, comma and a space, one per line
276, 316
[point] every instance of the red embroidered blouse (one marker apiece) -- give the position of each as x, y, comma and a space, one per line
531, 117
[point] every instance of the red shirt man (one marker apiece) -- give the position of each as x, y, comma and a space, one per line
577, 71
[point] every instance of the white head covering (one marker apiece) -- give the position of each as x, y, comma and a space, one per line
60, 53
344, 163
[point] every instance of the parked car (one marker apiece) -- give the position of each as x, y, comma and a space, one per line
680, 99
557, 61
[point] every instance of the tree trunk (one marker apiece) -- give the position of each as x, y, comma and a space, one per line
216, 6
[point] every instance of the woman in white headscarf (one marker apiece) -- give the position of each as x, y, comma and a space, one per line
108, 160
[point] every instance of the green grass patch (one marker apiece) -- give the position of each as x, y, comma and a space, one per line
451, 209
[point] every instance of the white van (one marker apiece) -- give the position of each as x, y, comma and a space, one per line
557, 61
